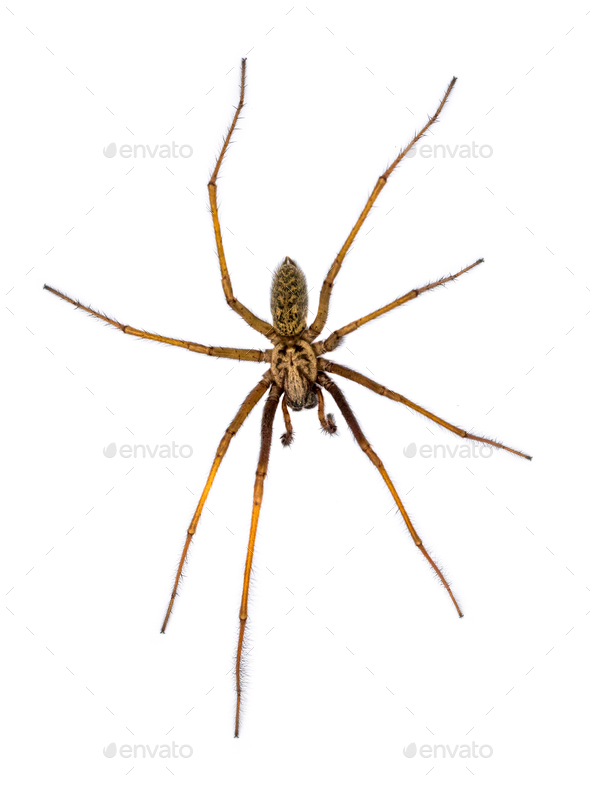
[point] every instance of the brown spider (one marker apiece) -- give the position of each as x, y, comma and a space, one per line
297, 370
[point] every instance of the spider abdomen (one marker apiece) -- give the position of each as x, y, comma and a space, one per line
288, 299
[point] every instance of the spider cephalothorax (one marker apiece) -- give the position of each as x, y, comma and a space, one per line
293, 364
294, 369
297, 373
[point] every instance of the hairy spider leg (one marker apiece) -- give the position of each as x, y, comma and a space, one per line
259, 356
324, 302
350, 419
268, 414
328, 423
246, 408
287, 437
334, 338
255, 322
357, 377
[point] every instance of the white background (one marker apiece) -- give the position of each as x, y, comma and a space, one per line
356, 649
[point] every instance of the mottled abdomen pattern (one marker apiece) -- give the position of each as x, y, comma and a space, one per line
288, 299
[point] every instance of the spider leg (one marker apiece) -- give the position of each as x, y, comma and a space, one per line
322, 313
246, 408
268, 415
253, 321
287, 437
350, 419
334, 338
220, 352
328, 423
357, 377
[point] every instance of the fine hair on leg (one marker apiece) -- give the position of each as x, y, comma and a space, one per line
237, 354
253, 321
366, 382
288, 435
335, 337
246, 408
324, 304
359, 436
268, 415
327, 422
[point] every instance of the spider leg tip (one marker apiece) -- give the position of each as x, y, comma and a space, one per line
287, 439
329, 427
